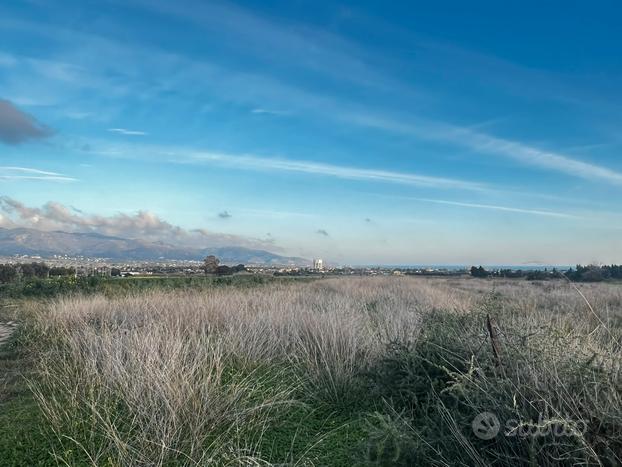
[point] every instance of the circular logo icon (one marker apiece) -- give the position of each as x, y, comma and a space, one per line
486, 425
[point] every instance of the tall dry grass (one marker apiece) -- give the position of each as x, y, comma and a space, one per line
560, 371
144, 379
193, 378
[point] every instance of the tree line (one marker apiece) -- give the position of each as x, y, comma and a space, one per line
590, 273
594, 273
16, 272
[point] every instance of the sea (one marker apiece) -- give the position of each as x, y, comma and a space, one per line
459, 267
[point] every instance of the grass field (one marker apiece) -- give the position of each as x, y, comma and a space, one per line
345, 371
113, 286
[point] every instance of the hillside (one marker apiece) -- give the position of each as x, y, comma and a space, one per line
24, 241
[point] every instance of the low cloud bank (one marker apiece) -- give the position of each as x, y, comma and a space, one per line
143, 225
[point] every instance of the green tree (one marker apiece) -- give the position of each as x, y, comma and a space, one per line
8, 273
479, 272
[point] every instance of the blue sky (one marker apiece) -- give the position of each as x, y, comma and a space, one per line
360, 132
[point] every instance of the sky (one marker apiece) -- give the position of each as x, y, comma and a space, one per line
361, 132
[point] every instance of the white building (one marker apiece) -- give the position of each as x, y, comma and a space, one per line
318, 264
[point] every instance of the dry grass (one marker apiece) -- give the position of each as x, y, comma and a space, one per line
191, 378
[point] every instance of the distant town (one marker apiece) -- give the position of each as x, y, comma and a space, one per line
83, 266
86, 266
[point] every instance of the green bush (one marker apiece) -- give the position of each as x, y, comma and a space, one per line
549, 381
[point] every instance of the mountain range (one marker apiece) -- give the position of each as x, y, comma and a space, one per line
25, 241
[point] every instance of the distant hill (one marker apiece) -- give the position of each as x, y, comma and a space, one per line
24, 241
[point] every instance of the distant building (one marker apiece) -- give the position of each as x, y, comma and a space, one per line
318, 264
103, 271
87, 271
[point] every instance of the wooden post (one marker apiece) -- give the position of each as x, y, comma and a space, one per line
494, 340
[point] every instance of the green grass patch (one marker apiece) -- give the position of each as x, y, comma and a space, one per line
23, 441
317, 435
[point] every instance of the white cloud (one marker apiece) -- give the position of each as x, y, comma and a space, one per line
143, 225
338, 171
123, 131
536, 212
486, 144
27, 170
254, 89
280, 164
27, 173
34, 177
536, 157
270, 112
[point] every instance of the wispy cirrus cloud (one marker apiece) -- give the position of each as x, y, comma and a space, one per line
330, 49
281, 164
484, 143
330, 170
18, 127
333, 49
126, 132
533, 156
299, 45
261, 111
27, 173
255, 90
535, 212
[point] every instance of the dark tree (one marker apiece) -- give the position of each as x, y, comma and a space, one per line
8, 273
593, 274
42, 270
39, 270
537, 275
224, 270
479, 272
27, 270
62, 271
